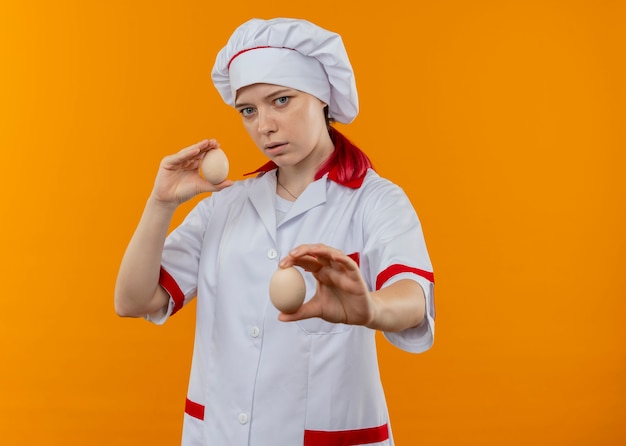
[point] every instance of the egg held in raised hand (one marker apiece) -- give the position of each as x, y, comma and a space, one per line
215, 166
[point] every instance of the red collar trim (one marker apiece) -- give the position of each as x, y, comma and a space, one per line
270, 165
332, 174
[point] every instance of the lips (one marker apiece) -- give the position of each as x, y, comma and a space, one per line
275, 148
274, 145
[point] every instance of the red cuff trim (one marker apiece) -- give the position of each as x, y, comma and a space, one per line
194, 409
346, 438
396, 269
170, 285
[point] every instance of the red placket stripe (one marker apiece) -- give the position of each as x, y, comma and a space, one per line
347, 437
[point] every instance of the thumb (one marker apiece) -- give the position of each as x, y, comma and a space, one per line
308, 310
205, 186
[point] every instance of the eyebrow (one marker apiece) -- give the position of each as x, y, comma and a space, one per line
272, 94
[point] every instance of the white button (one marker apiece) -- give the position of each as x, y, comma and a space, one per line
255, 332
272, 254
243, 418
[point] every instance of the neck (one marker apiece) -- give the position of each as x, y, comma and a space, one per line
281, 189
305, 170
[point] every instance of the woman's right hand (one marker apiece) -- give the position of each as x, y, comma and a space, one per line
179, 179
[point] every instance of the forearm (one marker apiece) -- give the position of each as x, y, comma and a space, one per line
399, 306
137, 290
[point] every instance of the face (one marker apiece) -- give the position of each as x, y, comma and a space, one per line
287, 125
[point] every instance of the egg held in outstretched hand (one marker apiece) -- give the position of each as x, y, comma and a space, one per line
287, 289
215, 166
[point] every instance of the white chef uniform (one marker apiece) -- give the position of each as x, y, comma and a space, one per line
258, 381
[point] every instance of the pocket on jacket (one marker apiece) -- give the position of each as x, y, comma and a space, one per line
320, 326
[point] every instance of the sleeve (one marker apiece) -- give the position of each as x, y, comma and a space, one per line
181, 259
395, 249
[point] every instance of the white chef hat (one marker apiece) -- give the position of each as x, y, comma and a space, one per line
292, 53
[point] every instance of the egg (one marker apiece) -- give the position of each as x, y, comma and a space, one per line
287, 289
215, 166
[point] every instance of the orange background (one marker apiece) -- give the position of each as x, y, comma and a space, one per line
504, 121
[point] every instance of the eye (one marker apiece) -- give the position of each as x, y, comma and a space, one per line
246, 111
281, 100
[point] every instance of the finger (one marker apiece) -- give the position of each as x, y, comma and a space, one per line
314, 250
308, 310
195, 148
223, 185
182, 158
308, 263
190, 157
211, 144
340, 279
207, 144
327, 256
203, 185
344, 263
313, 257
325, 253
198, 149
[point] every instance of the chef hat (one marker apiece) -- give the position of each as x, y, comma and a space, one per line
292, 53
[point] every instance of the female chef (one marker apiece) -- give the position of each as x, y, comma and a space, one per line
260, 377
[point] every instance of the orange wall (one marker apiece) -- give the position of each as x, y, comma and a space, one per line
504, 121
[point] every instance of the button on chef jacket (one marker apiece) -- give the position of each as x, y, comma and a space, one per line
261, 382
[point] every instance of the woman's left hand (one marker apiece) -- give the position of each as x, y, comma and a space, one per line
341, 296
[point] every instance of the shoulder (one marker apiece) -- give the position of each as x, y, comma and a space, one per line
373, 179
375, 186
380, 198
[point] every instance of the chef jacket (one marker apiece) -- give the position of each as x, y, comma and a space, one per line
260, 382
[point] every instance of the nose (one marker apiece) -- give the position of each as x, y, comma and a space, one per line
266, 122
